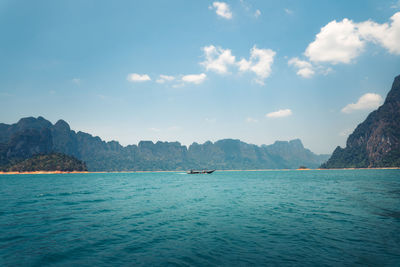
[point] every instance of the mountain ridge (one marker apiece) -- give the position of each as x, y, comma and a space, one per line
30, 136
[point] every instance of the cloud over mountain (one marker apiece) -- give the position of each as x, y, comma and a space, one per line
367, 101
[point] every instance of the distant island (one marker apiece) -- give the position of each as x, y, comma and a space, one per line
375, 143
31, 136
48, 163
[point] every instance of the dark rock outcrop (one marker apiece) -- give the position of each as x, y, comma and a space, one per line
376, 141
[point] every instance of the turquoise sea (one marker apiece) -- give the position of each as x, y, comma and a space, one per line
307, 218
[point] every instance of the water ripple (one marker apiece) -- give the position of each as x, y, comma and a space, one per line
229, 218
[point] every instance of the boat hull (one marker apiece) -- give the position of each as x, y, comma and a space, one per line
200, 172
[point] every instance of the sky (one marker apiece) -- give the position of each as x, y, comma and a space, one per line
192, 71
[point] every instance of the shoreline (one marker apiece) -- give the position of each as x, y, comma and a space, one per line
257, 170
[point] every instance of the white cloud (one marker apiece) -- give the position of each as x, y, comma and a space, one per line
279, 114
305, 72
165, 78
217, 59
343, 41
305, 69
134, 77
194, 78
384, 34
257, 13
260, 63
251, 120
337, 42
288, 11
222, 10
366, 102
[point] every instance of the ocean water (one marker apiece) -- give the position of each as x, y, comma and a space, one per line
285, 218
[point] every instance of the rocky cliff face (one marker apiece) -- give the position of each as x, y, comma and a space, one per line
31, 136
376, 141
24, 144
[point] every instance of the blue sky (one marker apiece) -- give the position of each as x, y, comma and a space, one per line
192, 71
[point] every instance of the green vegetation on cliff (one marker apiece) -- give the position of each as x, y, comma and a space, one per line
49, 162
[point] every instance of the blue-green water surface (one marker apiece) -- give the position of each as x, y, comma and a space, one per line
308, 218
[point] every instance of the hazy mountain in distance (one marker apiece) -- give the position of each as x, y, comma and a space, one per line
31, 136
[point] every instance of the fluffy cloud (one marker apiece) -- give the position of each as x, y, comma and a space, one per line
257, 13
217, 59
384, 34
337, 42
134, 77
279, 114
260, 63
366, 102
165, 78
194, 78
305, 69
222, 9
341, 42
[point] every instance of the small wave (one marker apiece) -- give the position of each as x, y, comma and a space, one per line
11, 238
27, 202
70, 203
93, 200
